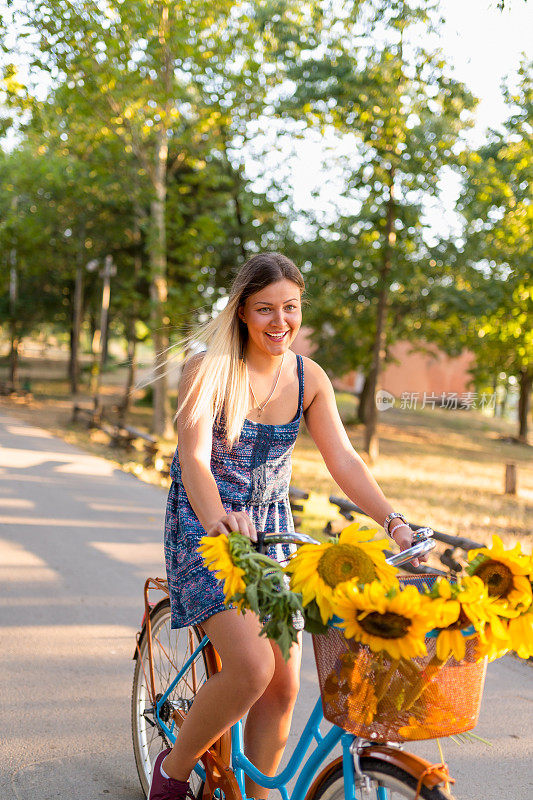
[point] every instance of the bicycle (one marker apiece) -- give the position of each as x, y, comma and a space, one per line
170, 667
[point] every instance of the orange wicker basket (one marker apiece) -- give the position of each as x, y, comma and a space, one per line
374, 697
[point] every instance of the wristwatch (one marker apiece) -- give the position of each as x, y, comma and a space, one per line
389, 519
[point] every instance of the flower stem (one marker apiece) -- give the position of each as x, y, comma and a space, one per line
426, 677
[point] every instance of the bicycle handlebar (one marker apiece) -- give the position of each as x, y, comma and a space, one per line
347, 508
420, 548
265, 540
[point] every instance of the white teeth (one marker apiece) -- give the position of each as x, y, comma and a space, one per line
276, 335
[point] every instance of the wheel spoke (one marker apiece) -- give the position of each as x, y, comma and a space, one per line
170, 651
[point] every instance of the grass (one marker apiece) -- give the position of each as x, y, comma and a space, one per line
441, 468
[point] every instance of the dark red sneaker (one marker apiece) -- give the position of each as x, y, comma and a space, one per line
166, 788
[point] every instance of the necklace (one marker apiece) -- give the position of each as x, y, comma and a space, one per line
261, 406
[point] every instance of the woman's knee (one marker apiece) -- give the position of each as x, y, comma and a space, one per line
252, 670
284, 692
285, 685
247, 658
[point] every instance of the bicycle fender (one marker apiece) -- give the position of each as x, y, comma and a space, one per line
432, 774
413, 765
219, 776
141, 634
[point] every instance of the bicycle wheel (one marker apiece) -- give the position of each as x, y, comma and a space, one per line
389, 782
171, 649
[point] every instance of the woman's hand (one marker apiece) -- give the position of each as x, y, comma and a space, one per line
236, 521
403, 536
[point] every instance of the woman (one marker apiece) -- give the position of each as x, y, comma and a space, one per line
239, 411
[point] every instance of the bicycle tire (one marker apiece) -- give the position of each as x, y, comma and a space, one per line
400, 785
171, 648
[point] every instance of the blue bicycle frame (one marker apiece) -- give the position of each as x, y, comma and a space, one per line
243, 766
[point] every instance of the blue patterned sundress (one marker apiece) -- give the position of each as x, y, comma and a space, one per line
253, 477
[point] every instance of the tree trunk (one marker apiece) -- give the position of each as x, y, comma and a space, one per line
526, 379
14, 359
494, 392
240, 222
74, 362
234, 177
132, 371
371, 442
105, 343
505, 397
362, 410
104, 320
131, 334
161, 425
14, 334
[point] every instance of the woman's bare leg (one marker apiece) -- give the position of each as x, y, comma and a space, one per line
248, 665
269, 719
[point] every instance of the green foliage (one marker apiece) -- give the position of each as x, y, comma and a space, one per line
395, 99
129, 79
487, 304
267, 594
137, 150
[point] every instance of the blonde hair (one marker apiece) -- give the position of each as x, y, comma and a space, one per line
220, 382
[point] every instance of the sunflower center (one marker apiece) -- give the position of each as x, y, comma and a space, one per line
388, 625
496, 576
342, 562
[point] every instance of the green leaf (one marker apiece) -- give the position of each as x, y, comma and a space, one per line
313, 620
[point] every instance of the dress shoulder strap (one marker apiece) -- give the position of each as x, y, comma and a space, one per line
300, 366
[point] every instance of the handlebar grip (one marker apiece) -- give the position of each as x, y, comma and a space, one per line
298, 494
417, 550
266, 540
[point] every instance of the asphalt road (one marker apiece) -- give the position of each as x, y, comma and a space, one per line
77, 539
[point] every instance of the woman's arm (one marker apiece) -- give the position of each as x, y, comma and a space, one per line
195, 444
346, 467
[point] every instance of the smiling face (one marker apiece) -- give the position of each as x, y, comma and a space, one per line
273, 317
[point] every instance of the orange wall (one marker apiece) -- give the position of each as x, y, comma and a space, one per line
416, 372
435, 372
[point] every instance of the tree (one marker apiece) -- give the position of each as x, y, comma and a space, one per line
158, 76
490, 290
374, 78
30, 292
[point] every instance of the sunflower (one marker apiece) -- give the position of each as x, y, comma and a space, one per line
505, 574
520, 631
494, 640
431, 721
349, 692
319, 571
385, 618
331, 689
216, 554
457, 608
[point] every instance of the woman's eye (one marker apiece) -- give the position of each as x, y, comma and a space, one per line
290, 308
264, 309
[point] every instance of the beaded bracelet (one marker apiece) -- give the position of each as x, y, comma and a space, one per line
389, 519
401, 525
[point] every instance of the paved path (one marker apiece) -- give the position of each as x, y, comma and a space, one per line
77, 539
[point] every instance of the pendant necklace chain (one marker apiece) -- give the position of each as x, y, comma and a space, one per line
260, 407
